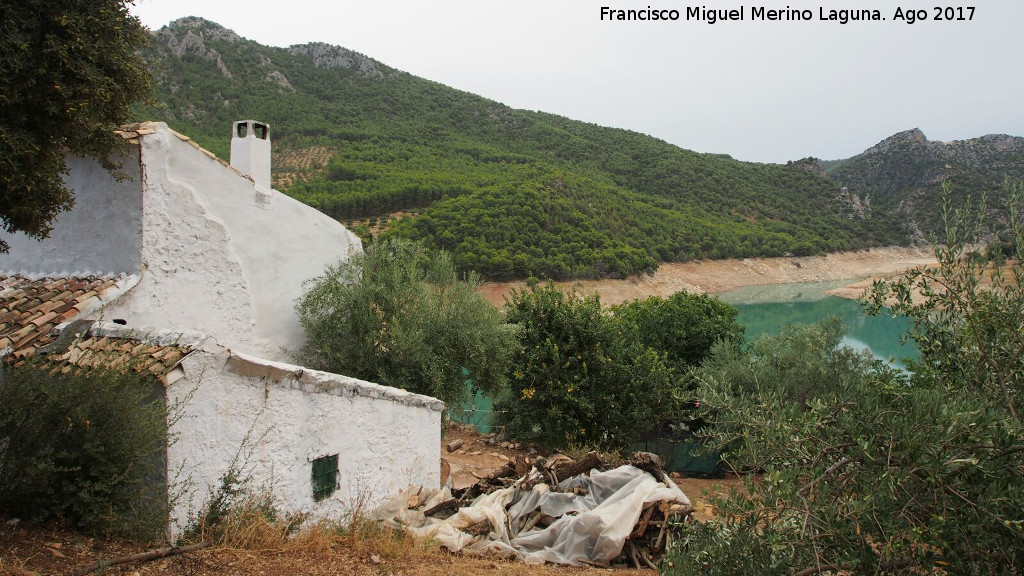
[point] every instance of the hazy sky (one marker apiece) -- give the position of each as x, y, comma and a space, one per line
758, 90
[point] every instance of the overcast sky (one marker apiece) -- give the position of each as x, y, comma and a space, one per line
758, 90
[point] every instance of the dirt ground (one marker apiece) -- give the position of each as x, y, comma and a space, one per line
51, 550
30, 550
716, 276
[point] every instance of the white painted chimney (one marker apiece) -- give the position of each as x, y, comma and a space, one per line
250, 151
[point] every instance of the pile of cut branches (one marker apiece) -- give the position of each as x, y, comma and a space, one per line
559, 510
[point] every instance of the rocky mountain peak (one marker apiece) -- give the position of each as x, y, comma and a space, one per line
328, 56
189, 35
908, 137
203, 27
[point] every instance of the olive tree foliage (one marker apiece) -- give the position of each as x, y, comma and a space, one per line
70, 71
399, 315
865, 469
580, 377
968, 311
784, 372
683, 326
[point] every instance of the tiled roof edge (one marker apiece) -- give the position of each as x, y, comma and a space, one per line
122, 286
33, 276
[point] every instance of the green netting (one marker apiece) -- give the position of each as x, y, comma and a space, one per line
684, 457
478, 412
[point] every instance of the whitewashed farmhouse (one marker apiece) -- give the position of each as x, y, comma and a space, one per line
193, 266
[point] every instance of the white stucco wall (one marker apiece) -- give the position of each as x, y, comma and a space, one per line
222, 257
274, 419
102, 234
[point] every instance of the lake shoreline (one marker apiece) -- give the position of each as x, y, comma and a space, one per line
717, 276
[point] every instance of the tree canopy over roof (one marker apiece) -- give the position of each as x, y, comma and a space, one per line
71, 70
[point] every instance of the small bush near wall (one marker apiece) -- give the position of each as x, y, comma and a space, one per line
85, 447
399, 315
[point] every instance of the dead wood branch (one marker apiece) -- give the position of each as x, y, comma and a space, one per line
589, 462
448, 507
650, 463
142, 557
479, 529
641, 525
506, 471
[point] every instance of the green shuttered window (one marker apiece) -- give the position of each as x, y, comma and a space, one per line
325, 477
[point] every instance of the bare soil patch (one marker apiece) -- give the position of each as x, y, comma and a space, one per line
51, 550
714, 276
31, 550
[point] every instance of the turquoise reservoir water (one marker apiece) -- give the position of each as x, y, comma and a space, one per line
766, 309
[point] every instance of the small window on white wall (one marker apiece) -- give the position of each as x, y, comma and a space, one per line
324, 477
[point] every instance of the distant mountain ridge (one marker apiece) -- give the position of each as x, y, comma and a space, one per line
905, 171
511, 193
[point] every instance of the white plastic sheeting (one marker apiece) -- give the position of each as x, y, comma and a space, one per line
595, 514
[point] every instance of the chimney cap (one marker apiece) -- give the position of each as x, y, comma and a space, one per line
250, 129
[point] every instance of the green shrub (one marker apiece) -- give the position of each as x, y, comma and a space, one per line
792, 367
870, 476
867, 470
87, 447
683, 326
398, 315
579, 377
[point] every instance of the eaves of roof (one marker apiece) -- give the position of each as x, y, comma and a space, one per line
32, 308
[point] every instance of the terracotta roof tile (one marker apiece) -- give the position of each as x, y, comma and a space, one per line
31, 308
85, 296
94, 351
44, 319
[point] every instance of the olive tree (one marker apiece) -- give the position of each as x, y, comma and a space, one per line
968, 311
399, 315
865, 469
71, 71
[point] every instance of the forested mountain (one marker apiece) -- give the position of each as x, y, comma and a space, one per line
904, 173
511, 193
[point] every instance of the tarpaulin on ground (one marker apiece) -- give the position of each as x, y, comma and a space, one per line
591, 516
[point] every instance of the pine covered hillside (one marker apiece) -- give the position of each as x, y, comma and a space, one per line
511, 193
904, 173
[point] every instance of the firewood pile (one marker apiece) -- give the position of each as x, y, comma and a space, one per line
541, 511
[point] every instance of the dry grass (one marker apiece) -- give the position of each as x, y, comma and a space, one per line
252, 524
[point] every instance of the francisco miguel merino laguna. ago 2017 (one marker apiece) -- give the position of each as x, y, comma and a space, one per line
787, 14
